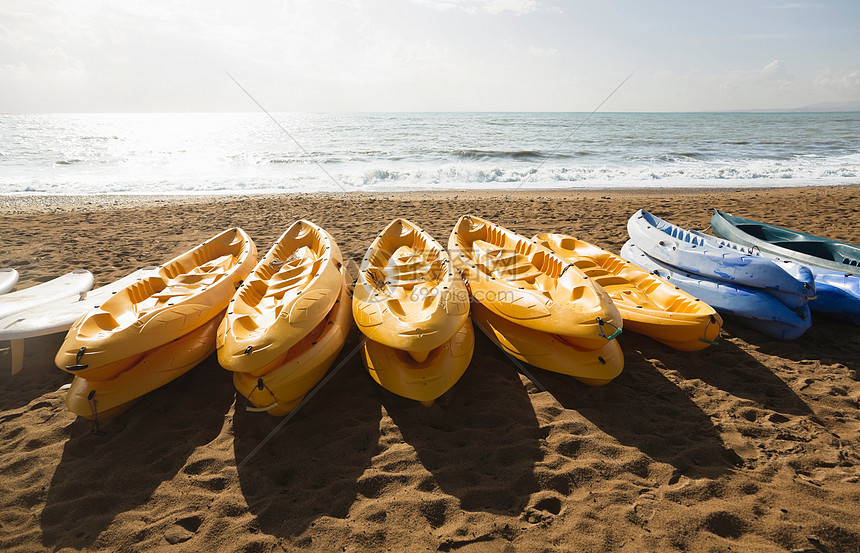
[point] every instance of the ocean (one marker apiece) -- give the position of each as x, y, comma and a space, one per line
248, 153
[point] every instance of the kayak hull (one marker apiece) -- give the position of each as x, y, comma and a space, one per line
595, 367
691, 252
526, 283
109, 397
424, 381
286, 295
182, 295
408, 296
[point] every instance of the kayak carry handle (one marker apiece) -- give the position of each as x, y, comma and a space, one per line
261, 385
260, 409
711, 319
78, 366
601, 322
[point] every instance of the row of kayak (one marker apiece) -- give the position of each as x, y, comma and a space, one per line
280, 322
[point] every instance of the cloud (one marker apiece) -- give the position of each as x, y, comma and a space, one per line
363, 55
775, 70
773, 86
75, 71
519, 7
838, 84
749, 88
796, 6
15, 72
530, 49
542, 52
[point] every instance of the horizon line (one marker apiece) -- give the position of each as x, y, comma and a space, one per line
320, 112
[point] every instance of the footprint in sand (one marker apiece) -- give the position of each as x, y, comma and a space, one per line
642, 511
725, 524
543, 510
183, 530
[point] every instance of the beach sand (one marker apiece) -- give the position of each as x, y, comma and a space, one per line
750, 445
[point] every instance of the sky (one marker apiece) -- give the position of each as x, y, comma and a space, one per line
426, 55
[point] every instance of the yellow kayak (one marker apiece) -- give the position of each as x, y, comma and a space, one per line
408, 297
280, 387
109, 397
529, 285
398, 372
551, 352
180, 296
288, 293
648, 304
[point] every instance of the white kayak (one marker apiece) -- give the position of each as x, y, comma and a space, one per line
8, 278
70, 284
16, 305
703, 256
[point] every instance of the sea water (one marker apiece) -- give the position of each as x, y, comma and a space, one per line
251, 153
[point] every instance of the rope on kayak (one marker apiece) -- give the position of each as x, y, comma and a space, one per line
91, 400
601, 322
261, 385
566, 267
78, 366
704, 337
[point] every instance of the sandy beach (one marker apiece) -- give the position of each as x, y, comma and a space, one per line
750, 445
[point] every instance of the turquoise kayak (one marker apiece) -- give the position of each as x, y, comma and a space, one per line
751, 307
793, 245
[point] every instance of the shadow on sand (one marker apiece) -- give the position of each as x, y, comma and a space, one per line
733, 370
643, 409
100, 477
310, 467
481, 440
39, 375
827, 341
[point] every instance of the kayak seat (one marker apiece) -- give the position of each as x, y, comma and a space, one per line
809, 247
768, 234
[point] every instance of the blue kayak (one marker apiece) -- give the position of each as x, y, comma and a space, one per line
837, 293
752, 307
690, 252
